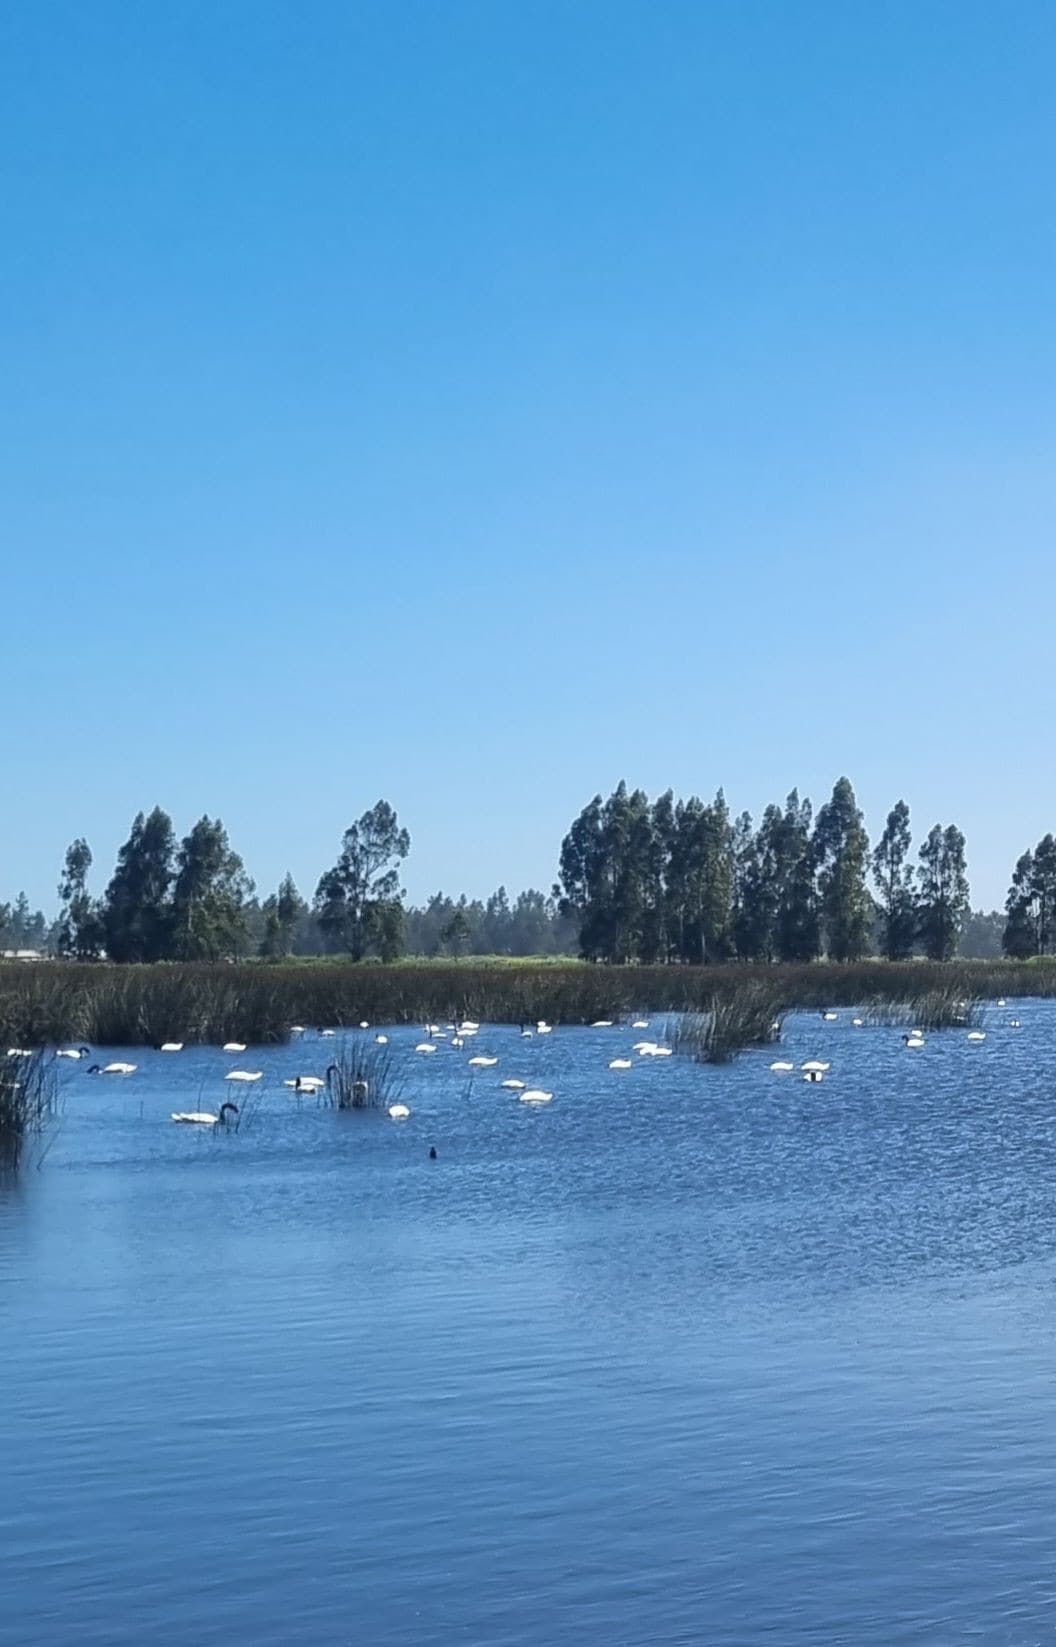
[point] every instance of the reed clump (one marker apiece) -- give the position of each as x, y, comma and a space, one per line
932, 1009
733, 1022
362, 1076
28, 1107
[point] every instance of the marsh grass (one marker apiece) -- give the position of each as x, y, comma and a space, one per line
28, 1108
932, 1009
362, 1076
750, 1017
143, 1005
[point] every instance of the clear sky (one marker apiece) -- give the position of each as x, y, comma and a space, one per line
472, 404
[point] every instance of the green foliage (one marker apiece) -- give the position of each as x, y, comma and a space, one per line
750, 1016
942, 903
283, 913
1030, 909
80, 932
208, 921
893, 875
137, 911
28, 1098
841, 848
358, 902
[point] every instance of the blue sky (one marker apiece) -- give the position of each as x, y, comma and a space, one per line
474, 404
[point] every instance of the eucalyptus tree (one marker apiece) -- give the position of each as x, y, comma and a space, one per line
137, 907
283, 911
1030, 909
893, 874
942, 901
79, 932
359, 900
798, 927
210, 894
841, 848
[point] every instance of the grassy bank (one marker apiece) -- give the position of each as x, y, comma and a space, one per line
123, 1006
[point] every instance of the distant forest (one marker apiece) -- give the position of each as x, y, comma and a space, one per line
668, 881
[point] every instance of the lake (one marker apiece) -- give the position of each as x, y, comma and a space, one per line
689, 1355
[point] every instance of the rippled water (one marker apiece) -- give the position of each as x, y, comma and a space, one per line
691, 1355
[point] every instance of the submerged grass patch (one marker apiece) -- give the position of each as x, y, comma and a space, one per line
750, 1017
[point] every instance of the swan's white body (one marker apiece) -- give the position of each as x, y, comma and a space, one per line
535, 1095
61, 1052
425, 1046
831, 1017
234, 1046
19, 1052
620, 1063
399, 1112
244, 1075
171, 1046
119, 1069
469, 1025
977, 1035
640, 1023
481, 1062
303, 1083
782, 1067
514, 1086
381, 1040
814, 1066
602, 1023
196, 1118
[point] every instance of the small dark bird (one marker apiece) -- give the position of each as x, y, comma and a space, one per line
432, 1152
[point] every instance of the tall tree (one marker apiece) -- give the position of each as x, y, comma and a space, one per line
79, 931
283, 912
359, 901
893, 875
1030, 909
137, 912
842, 852
942, 906
798, 931
209, 896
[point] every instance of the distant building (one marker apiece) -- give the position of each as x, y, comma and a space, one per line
23, 955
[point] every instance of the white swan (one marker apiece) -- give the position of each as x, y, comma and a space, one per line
640, 1023
233, 1046
913, 1043
651, 1050
203, 1118
470, 1025
643, 1046
326, 1033
67, 1052
296, 1029
621, 1063
526, 1034
857, 1022
535, 1095
482, 1063
363, 1024
432, 1029
977, 1035
456, 1041
602, 1023
830, 1017
814, 1066
118, 1069
514, 1086
244, 1075
425, 1046
20, 1052
171, 1046
1013, 1023
303, 1083
381, 1040
782, 1067
399, 1112
544, 1029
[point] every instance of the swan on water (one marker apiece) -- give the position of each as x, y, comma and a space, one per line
244, 1075
20, 1052
203, 1118
118, 1069
171, 1046
71, 1052
782, 1067
482, 1062
233, 1046
544, 1029
830, 1017
514, 1086
468, 1026
381, 1040
296, 1029
1013, 1023
640, 1023
535, 1095
425, 1046
977, 1035
399, 1112
602, 1023
621, 1063
1001, 1002
643, 1046
303, 1083
857, 1022
363, 1024
813, 1075
431, 1029
814, 1066
456, 1041
650, 1049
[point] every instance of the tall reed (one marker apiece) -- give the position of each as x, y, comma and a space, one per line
28, 1107
751, 1017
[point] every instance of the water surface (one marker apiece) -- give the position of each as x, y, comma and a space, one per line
689, 1355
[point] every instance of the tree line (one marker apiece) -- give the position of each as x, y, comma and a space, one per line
686, 881
664, 881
